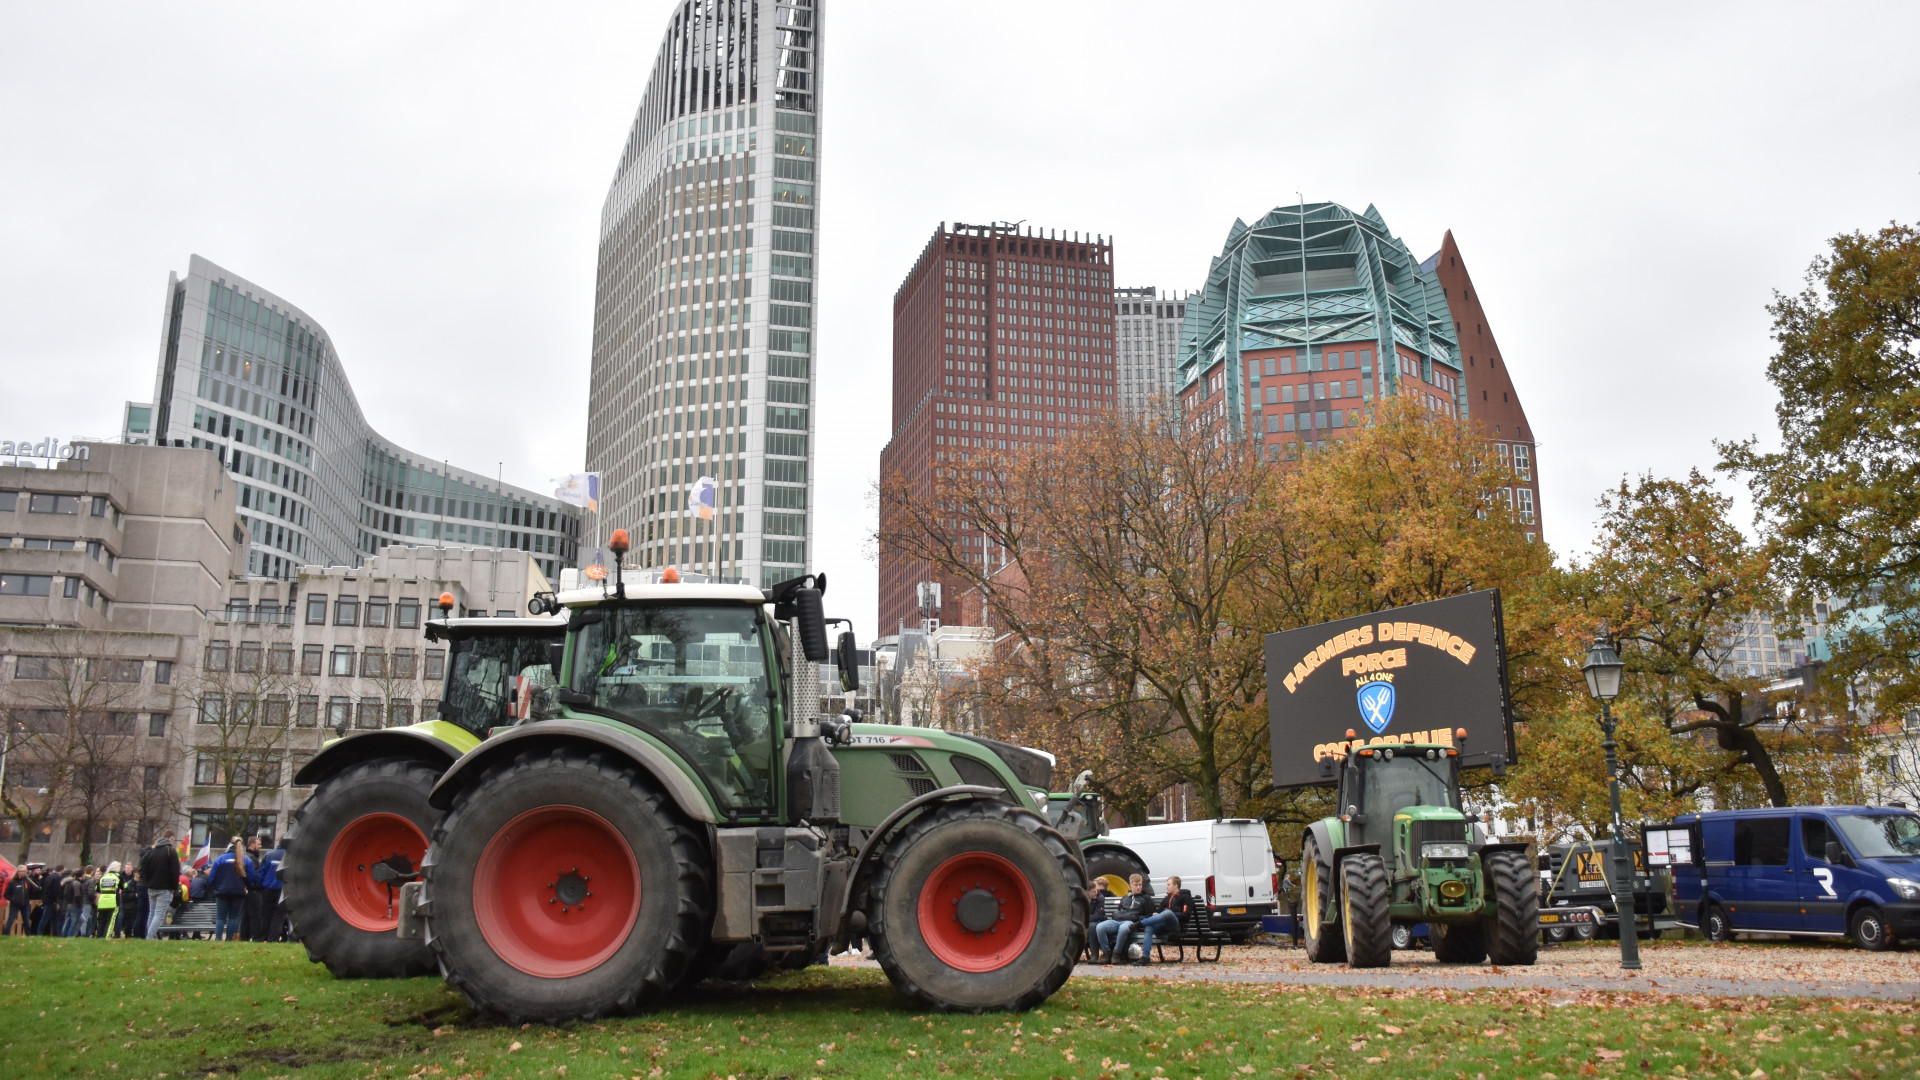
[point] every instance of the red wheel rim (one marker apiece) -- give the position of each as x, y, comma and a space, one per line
557, 891
977, 912
366, 842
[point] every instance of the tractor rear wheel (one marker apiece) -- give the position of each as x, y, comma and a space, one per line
361, 819
565, 886
1513, 934
1323, 946
1459, 942
1116, 866
977, 906
1365, 924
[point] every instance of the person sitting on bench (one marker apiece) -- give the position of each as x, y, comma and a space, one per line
1177, 906
1111, 934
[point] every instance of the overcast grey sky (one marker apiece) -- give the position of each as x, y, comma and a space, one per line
425, 180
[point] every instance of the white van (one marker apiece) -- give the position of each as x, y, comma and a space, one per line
1228, 864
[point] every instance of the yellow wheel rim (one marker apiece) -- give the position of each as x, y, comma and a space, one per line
1116, 884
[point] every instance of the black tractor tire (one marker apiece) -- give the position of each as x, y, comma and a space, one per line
1317, 900
349, 804
1513, 934
1463, 942
1115, 864
1365, 923
1005, 864
1868, 929
533, 818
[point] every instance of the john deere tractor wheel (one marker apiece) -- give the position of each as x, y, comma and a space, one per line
350, 847
564, 886
1463, 942
978, 906
1513, 934
1365, 925
1116, 866
1319, 915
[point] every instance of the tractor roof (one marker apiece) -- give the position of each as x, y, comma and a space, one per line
530, 626
677, 592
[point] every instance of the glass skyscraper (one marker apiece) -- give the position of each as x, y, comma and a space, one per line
703, 330
248, 375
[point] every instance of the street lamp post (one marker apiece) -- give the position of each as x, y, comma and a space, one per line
1603, 668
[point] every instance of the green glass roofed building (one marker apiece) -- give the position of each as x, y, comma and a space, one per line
1364, 310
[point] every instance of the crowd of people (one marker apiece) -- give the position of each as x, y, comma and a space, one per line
138, 899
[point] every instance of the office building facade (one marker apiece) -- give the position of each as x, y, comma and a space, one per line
1003, 340
704, 333
1146, 326
246, 374
1315, 312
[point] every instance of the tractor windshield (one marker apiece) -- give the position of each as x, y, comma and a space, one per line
693, 676
480, 679
1407, 780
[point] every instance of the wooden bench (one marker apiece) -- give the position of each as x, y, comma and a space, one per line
191, 921
1195, 931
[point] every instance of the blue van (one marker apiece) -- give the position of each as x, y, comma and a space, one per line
1824, 871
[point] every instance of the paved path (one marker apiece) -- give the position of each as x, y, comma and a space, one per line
1457, 978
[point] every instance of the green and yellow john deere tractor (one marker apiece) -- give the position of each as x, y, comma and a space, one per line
363, 832
683, 800
1401, 851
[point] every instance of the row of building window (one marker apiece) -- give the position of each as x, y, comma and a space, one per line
67, 505
252, 658
91, 669
308, 710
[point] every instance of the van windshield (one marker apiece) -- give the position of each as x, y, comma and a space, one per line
1881, 836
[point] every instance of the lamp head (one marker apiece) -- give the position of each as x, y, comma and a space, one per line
617, 543
446, 604
1602, 669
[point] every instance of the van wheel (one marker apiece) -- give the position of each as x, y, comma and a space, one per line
1716, 927
1402, 936
1869, 930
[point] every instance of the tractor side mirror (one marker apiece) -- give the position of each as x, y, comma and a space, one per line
556, 656
1499, 763
849, 669
810, 619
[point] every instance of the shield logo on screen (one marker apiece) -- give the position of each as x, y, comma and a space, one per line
1376, 705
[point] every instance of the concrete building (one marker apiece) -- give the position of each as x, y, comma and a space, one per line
704, 339
147, 681
1002, 339
1314, 312
1146, 323
246, 374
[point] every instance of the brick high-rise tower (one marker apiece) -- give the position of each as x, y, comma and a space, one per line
1002, 338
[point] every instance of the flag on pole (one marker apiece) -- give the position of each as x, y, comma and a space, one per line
700, 496
206, 852
181, 849
579, 489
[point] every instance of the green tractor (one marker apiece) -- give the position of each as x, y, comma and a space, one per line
683, 801
1402, 852
363, 832
1082, 816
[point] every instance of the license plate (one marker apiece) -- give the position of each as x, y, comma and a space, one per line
1549, 918
1236, 911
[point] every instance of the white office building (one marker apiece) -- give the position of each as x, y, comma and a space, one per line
1147, 345
704, 332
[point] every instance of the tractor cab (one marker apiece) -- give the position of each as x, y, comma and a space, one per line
694, 666
1406, 799
485, 658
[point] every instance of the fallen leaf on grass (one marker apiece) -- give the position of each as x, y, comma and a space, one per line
1494, 1033
1610, 1055
514, 1047
1390, 1029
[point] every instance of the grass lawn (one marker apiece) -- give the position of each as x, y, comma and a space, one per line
189, 1009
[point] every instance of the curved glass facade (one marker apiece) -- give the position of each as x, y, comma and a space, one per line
255, 379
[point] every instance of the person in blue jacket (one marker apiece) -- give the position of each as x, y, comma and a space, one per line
229, 878
263, 892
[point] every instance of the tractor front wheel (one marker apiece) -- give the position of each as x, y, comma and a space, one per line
978, 906
1365, 924
1316, 904
565, 886
1116, 866
1513, 934
369, 819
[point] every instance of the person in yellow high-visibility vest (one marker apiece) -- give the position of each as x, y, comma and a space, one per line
108, 899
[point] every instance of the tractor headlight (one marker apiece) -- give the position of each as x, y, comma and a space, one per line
1907, 890
1443, 851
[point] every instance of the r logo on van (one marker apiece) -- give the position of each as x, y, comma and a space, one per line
1825, 877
